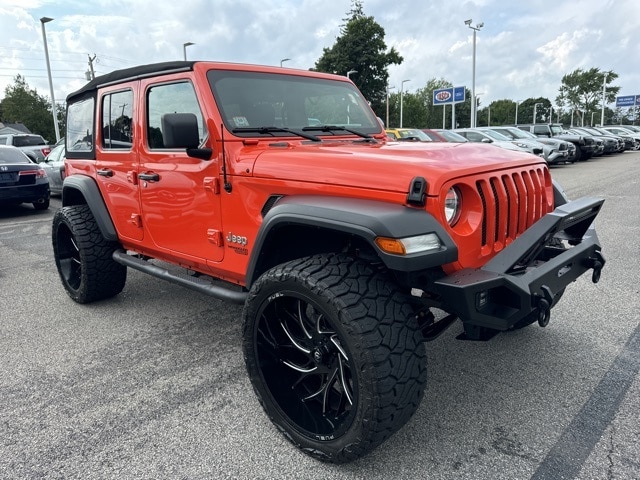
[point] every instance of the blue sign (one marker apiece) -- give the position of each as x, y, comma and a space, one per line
628, 101
444, 96
458, 94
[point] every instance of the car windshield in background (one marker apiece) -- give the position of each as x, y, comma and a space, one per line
496, 136
28, 140
251, 102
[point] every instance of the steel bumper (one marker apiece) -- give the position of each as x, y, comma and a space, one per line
531, 273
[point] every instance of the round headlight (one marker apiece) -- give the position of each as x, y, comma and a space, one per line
452, 206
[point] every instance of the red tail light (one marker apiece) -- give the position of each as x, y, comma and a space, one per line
46, 151
40, 173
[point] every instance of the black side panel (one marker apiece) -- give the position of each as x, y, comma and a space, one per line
365, 219
80, 189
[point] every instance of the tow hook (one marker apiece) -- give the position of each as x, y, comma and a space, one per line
597, 270
544, 312
544, 306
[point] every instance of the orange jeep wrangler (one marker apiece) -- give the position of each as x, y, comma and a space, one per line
279, 190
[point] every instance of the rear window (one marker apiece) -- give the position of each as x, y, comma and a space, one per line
12, 156
28, 141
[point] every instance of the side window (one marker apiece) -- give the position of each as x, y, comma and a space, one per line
80, 135
117, 117
170, 98
540, 130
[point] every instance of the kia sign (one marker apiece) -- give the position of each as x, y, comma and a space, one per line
628, 101
445, 96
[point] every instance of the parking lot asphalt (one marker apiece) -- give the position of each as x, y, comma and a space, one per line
151, 384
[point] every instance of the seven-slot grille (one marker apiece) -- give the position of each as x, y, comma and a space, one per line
511, 203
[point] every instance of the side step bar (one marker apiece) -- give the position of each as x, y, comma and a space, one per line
195, 283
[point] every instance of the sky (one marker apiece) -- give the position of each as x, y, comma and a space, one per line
522, 51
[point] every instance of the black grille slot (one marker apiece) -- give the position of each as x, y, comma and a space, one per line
511, 203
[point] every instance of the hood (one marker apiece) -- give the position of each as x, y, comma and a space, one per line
384, 166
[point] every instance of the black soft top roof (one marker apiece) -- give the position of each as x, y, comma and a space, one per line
140, 71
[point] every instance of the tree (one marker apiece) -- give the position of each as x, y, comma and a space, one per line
21, 104
361, 47
581, 91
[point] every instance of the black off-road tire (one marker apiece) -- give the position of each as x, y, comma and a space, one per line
334, 354
84, 257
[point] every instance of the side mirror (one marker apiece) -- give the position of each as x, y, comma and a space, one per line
180, 130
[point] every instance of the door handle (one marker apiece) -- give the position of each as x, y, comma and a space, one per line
105, 172
149, 177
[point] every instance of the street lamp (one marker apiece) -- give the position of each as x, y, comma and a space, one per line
401, 98
473, 72
604, 93
517, 103
44, 20
388, 88
350, 72
535, 108
284, 60
184, 49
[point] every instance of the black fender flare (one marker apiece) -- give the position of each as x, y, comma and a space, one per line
81, 189
366, 219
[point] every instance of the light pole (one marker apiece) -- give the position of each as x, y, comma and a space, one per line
401, 98
284, 60
517, 103
535, 110
473, 71
44, 20
604, 93
184, 49
350, 72
386, 125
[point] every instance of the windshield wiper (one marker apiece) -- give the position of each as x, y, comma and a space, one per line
272, 130
333, 128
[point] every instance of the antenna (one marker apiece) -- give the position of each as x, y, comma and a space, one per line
227, 185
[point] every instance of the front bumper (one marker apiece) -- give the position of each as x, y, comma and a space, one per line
530, 274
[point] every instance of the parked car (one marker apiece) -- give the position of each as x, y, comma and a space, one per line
22, 180
586, 145
53, 164
499, 140
555, 151
408, 134
35, 146
611, 143
445, 136
632, 139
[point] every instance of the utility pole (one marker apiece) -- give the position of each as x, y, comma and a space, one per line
91, 74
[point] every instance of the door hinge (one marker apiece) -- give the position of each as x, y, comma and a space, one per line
213, 184
215, 236
132, 177
136, 220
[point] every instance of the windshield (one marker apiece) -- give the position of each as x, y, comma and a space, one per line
496, 136
285, 104
556, 129
414, 133
516, 133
